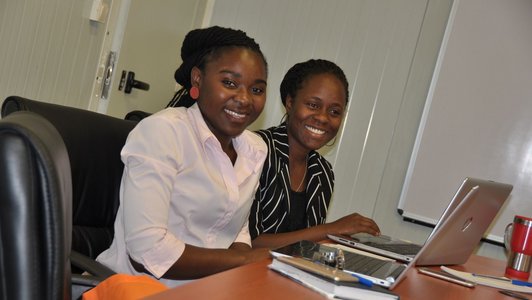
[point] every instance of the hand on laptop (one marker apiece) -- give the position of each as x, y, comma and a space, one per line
353, 223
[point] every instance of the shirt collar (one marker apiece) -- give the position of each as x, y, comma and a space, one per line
280, 135
199, 124
252, 150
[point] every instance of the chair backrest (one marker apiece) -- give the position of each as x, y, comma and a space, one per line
35, 212
93, 142
136, 115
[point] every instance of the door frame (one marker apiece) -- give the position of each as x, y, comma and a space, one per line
114, 34
112, 42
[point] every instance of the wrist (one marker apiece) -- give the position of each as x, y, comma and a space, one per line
326, 228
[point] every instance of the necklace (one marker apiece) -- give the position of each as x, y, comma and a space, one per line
304, 176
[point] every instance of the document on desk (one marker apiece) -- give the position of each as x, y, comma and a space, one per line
489, 281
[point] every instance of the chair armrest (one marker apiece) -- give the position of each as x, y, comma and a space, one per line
82, 283
89, 265
97, 273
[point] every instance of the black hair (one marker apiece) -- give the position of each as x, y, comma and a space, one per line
296, 76
202, 45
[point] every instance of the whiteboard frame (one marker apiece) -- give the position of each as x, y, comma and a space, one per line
488, 63
424, 116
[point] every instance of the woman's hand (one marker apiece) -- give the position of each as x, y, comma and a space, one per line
353, 223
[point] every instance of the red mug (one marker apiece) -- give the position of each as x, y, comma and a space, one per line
518, 240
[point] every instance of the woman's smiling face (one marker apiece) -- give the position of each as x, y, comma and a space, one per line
316, 112
232, 91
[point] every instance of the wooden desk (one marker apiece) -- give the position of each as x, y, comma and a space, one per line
256, 281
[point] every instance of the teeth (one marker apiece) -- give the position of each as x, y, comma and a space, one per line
315, 130
235, 114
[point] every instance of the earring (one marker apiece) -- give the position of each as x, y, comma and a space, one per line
194, 93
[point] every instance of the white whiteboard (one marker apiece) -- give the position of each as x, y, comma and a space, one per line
477, 120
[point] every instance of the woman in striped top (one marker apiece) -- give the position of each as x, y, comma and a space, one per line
296, 183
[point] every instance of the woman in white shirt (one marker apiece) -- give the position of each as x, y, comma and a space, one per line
190, 173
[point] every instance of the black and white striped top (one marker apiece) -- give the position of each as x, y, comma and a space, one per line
271, 206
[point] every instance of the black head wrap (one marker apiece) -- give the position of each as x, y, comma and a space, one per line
197, 45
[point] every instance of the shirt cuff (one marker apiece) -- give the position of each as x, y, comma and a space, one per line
243, 236
163, 255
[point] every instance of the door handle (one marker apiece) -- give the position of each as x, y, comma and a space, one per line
108, 75
132, 83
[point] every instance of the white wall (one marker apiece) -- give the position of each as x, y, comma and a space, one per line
480, 96
49, 50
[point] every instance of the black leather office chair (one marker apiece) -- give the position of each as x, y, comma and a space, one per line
36, 213
93, 142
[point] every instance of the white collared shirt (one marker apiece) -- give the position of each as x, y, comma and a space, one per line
179, 188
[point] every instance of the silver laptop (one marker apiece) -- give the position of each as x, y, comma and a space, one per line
475, 204
463, 224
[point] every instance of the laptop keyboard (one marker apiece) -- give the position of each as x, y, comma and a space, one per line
397, 272
404, 249
362, 264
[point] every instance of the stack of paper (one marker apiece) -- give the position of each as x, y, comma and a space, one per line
328, 281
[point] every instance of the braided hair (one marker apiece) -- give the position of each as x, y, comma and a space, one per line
297, 75
201, 46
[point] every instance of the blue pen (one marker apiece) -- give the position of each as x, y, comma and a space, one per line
363, 280
512, 281
521, 283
